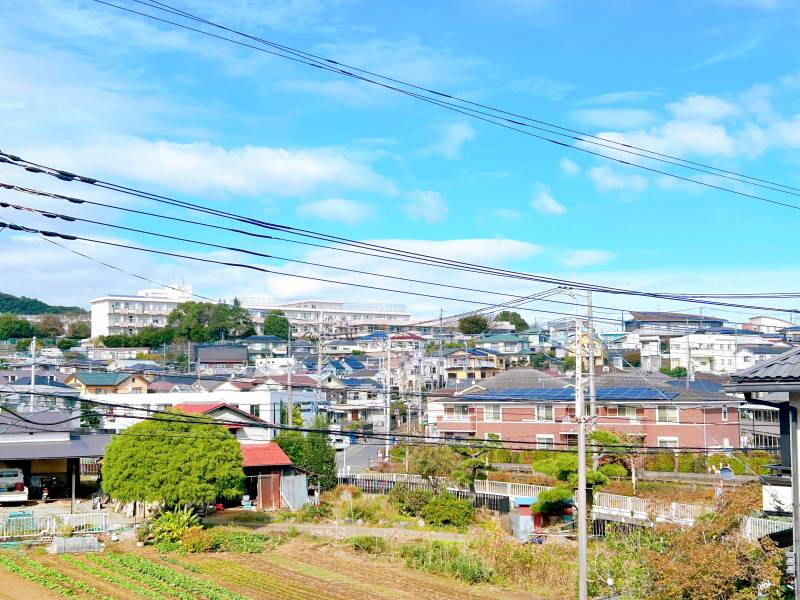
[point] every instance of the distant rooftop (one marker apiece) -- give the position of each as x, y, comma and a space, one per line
670, 317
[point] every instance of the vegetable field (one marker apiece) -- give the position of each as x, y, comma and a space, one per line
296, 570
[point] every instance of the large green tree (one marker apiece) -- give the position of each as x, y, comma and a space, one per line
276, 323
514, 318
175, 462
473, 324
312, 452
207, 322
79, 330
11, 326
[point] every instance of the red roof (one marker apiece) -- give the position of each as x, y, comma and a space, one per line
408, 336
264, 455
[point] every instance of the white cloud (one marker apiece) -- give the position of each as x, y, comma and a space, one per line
453, 136
606, 179
340, 210
507, 213
569, 167
544, 203
428, 206
585, 258
202, 167
614, 117
704, 108
729, 54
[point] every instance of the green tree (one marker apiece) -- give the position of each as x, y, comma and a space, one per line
433, 461
174, 462
677, 372
514, 318
11, 326
79, 330
569, 363
276, 323
49, 326
473, 324
297, 415
230, 321
153, 337
633, 358
65, 344
90, 418
190, 321
312, 452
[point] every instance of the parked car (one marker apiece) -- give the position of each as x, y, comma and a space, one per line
340, 442
12, 486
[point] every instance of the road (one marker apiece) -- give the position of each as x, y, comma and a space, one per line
357, 456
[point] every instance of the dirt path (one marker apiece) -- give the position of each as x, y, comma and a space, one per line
17, 588
345, 531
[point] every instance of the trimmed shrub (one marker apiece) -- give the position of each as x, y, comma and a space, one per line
614, 470
446, 509
552, 501
409, 502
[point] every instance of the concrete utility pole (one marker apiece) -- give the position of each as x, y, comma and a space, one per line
289, 378
33, 366
581, 419
387, 408
317, 392
592, 389
794, 410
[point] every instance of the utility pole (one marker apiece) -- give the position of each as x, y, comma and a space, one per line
387, 408
33, 367
317, 392
688, 353
289, 378
581, 419
592, 389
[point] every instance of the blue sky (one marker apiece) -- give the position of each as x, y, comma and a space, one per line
93, 89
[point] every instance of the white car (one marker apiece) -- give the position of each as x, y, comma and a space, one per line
340, 443
12, 486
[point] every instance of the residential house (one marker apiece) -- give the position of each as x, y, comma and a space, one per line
600, 351
668, 324
764, 324
467, 365
504, 343
53, 447
247, 427
722, 352
221, 359
134, 364
263, 347
539, 411
108, 383
407, 342
112, 354
364, 400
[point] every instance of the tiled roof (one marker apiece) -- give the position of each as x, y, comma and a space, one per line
101, 378
264, 455
781, 368
265, 339
211, 354
205, 408
297, 380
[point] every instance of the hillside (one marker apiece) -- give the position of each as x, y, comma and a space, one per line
31, 306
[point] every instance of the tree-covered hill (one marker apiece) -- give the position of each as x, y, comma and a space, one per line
31, 306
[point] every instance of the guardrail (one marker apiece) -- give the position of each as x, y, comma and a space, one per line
754, 528
17, 527
504, 488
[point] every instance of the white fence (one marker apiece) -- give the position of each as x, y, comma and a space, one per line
504, 488
754, 528
16, 527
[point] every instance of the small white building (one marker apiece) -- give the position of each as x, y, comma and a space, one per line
766, 324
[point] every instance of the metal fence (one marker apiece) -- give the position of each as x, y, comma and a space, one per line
18, 527
754, 528
383, 485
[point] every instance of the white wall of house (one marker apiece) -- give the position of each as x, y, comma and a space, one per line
717, 353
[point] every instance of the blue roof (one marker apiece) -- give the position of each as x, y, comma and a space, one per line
352, 363
360, 382
375, 335
568, 393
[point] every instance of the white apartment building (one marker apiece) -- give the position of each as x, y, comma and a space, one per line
766, 324
119, 314
720, 352
335, 318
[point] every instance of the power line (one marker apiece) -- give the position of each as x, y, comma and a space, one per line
443, 100
444, 263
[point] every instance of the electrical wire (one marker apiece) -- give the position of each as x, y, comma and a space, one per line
326, 64
445, 263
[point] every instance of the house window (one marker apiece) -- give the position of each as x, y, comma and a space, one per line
667, 442
626, 411
136, 390
492, 412
667, 414
544, 412
255, 410
12, 377
545, 442
724, 413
